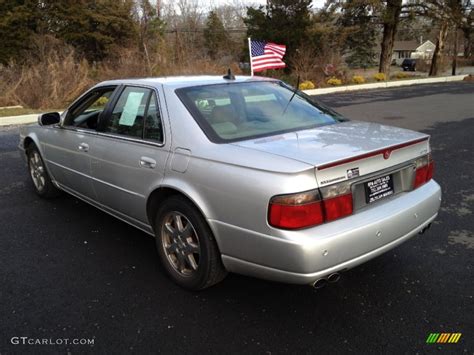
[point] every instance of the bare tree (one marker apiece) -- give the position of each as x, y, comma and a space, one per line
468, 32
446, 14
390, 17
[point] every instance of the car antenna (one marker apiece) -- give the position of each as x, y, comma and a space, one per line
292, 96
229, 75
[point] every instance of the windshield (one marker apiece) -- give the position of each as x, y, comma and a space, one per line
238, 111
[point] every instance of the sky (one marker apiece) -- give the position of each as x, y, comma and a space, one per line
212, 3
316, 3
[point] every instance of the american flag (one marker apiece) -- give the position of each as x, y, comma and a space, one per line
266, 55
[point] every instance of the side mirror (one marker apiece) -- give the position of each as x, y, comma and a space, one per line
46, 119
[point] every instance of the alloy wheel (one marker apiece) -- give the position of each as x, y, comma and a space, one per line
37, 171
180, 243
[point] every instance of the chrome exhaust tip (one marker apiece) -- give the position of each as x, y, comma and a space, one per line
334, 277
319, 283
425, 229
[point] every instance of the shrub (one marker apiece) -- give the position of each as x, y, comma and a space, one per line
334, 81
380, 77
306, 85
402, 75
358, 79
469, 77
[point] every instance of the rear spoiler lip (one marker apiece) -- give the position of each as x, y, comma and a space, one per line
385, 151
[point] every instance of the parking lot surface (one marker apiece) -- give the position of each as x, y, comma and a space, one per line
68, 270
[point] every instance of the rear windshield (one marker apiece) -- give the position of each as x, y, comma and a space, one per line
239, 111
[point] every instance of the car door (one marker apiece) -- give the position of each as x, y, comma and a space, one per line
70, 144
130, 153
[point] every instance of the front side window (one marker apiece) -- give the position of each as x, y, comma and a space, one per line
85, 113
127, 117
232, 112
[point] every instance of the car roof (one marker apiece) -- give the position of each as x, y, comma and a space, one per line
176, 82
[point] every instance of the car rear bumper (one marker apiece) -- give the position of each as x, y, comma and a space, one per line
304, 256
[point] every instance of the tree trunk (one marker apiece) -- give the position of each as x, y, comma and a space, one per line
438, 52
455, 50
467, 31
391, 18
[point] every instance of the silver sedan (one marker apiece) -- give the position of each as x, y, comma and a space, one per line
244, 175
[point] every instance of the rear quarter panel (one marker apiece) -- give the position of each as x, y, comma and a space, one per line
229, 183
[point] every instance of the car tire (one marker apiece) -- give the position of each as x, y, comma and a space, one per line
39, 174
186, 245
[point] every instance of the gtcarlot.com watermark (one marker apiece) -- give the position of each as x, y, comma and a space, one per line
51, 341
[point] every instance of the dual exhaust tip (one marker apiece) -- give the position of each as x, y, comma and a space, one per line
320, 283
425, 229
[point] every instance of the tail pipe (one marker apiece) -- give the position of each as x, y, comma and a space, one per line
425, 229
332, 278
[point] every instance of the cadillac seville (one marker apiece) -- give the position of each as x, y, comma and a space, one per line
237, 174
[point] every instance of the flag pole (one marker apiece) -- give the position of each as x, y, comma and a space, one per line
250, 54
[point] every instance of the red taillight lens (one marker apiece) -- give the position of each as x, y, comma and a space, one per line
307, 209
294, 217
337, 207
429, 174
424, 171
296, 210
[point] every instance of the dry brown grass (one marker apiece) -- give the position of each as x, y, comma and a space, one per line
319, 66
54, 82
55, 76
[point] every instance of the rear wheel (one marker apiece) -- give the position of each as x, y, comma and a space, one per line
39, 175
186, 246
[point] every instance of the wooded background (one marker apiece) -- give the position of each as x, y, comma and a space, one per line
51, 50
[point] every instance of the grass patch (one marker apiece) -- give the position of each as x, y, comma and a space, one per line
20, 111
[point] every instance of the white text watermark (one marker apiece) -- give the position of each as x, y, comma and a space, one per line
51, 341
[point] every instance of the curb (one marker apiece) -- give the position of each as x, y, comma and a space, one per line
383, 85
17, 120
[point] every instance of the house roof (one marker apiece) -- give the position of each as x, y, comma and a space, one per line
426, 46
405, 45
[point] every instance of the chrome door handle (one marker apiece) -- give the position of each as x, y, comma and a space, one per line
146, 162
83, 147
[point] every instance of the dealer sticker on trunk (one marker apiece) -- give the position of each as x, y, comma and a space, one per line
352, 173
378, 188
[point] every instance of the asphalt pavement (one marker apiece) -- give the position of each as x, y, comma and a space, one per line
70, 271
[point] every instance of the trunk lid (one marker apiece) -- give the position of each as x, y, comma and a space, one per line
346, 150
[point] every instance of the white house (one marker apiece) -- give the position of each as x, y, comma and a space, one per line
412, 49
424, 51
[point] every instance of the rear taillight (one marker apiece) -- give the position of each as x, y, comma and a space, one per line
337, 207
310, 208
296, 210
424, 170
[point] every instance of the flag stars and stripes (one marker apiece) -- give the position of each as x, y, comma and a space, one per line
266, 55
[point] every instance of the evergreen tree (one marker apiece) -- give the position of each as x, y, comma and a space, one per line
93, 27
280, 21
18, 24
360, 42
215, 36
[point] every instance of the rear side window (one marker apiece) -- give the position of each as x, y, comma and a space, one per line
153, 126
128, 115
136, 114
